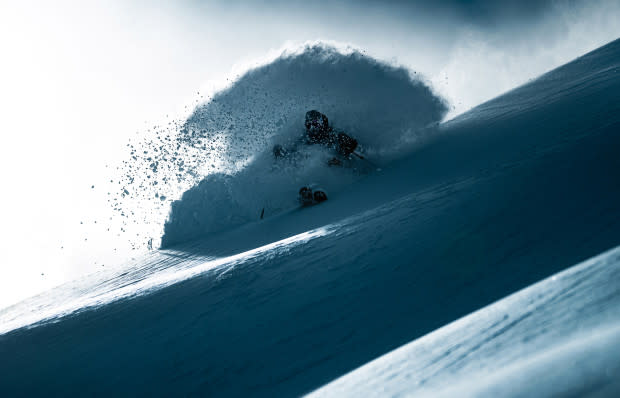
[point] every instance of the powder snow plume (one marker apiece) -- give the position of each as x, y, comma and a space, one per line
386, 108
221, 154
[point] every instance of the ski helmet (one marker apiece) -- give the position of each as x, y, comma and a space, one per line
316, 120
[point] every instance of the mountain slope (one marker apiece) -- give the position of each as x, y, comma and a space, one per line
558, 337
509, 193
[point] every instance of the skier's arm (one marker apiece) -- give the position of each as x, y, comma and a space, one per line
345, 144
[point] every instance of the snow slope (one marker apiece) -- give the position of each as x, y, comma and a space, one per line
559, 337
511, 192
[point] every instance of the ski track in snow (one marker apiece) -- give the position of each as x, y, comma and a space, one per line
510, 193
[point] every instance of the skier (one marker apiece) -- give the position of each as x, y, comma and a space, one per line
318, 131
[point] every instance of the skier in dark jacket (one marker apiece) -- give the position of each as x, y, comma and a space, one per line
318, 131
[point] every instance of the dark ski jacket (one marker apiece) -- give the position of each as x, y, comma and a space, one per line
318, 131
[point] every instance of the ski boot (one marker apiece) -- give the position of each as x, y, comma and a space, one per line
319, 196
309, 198
305, 196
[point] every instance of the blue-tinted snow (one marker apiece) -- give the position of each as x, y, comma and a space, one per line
514, 191
559, 337
386, 108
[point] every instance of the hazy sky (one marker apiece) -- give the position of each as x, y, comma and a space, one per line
78, 79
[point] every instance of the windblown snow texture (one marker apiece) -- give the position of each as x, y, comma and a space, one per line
513, 348
510, 193
384, 107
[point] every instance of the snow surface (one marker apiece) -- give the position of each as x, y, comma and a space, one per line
558, 337
509, 193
